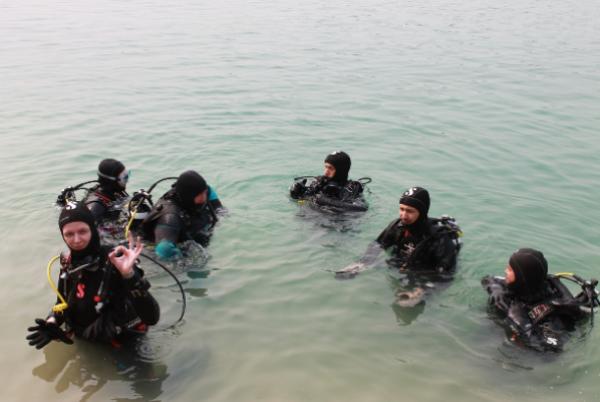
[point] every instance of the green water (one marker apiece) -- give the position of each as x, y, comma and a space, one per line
492, 106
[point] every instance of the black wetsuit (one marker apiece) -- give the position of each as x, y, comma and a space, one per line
540, 320
324, 191
433, 247
103, 306
169, 221
99, 200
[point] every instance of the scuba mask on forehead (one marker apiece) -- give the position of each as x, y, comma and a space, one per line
121, 179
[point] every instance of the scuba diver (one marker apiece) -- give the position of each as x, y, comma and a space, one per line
186, 212
112, 180
333, 191
422, 247
105, 199
102, 293
535, 308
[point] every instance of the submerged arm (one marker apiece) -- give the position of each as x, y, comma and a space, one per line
166, 235
365, 262
144, 303
124, 260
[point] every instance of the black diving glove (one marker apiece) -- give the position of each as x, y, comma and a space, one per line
298, 189
497, 293
44, 332
498, 298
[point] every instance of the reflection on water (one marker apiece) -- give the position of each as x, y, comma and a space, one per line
406, 315
411, 292
89, 367
323, 218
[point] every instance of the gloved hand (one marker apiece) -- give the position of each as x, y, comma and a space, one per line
498, 299
44, 332
518, 320
298, 188
350, 271
167, 250
497, 291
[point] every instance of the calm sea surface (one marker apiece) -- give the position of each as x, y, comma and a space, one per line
494, 106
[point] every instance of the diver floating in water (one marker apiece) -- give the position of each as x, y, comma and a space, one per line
106, 198
189, 211
422, 247
333, 191
102, 293
535, 308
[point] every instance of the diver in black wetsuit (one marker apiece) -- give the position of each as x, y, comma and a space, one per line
535, 308
186, 212
106, 294
419, 244
112, 180
333, 189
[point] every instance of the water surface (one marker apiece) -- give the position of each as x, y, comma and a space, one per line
492, 106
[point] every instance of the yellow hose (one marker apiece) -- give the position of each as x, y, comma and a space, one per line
58, 308
570, 274
129, 223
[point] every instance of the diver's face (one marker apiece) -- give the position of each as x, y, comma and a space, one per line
509, 275
408, 214
77, 235
201, 198
329, 170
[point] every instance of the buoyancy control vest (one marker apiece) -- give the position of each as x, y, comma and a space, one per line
99, 308
329, 195
442, 242
541, 320
195, 225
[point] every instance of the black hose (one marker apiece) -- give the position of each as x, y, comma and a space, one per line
68, 194
79, 186
160, 181
588, 288
184, 305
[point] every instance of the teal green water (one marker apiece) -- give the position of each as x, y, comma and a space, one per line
493, 106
